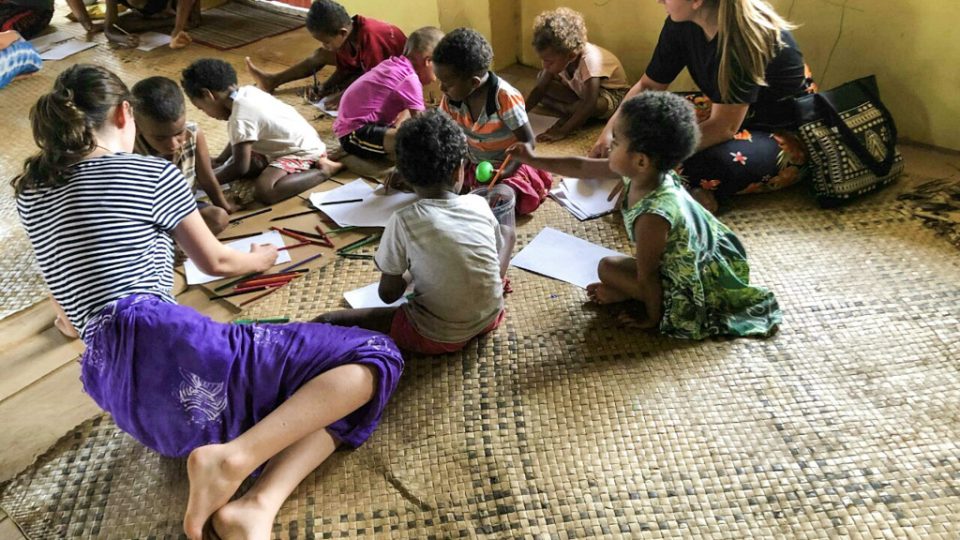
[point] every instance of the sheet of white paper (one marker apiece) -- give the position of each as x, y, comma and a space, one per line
151, 40
322, 105
562, 256
558, 194
590, 196
374, 211
67, 48
369, 297
196, 277
45, 42
540, 123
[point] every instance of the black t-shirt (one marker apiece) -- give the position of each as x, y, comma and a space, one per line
684, 45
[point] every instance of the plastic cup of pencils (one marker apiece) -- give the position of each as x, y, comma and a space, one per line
503, 202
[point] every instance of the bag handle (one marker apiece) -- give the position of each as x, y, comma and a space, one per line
833, 119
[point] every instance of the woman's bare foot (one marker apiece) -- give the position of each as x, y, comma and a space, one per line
215, 474
263, 79
604, 294
244, 518
180, 40
706, 199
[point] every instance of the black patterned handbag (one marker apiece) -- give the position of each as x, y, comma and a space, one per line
851, 141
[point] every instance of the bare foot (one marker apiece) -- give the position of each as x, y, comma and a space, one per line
181, 40
329, 167
214, 477
337, 155
263, 79
706, 199
244, 518
604, 294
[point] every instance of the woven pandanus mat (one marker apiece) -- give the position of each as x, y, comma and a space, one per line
562, 424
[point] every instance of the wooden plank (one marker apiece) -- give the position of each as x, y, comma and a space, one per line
37, 416
34, 358
26, 323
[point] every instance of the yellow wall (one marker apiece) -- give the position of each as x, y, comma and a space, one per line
407, 14
910, 45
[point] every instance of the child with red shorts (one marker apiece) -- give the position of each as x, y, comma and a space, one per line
448, 245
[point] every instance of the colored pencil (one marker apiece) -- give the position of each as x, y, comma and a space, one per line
289, 216
307, 234
268, 320
237, 293
291, 234
355, 256
251, 214
499, 171
303, 262
259, 296
359, 243
235, 281
238, 237
301, 244
262, 287
345, 201
256, 282
324, 238
340, 230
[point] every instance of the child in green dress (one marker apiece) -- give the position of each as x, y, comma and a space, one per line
690, 271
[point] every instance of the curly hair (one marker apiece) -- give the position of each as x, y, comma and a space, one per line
464, 50
207, 74
158, 98
661, 125
327, 17
64, 121
430, 147
562, 30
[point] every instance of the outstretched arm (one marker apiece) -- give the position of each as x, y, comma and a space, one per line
572, 166
602, 146
723, 124
214, 258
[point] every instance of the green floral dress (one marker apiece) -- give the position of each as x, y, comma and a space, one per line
704, 271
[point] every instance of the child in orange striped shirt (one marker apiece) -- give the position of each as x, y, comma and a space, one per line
491, 113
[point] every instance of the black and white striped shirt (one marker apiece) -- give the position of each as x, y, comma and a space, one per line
105, 233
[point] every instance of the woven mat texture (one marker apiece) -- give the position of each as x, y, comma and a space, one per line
561, 424
234, 25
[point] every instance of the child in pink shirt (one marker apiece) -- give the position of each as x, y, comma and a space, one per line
375, 104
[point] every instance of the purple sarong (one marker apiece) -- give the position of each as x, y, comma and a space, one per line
175, 379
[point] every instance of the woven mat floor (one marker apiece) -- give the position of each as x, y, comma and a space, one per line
561, 424
235, 25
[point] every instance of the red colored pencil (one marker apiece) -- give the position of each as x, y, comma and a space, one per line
259, 296
291, 234
266, 281
326, 239
301, 244
261, 286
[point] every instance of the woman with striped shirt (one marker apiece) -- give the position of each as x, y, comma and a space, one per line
102, 223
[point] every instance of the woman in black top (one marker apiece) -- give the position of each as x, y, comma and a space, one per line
744, 60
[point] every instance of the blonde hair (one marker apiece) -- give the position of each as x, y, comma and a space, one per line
749, 38
562, 30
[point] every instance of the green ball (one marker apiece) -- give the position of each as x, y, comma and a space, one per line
484, 171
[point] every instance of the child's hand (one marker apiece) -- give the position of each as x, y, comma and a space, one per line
265, 256
522, 152
395, 181
601, 148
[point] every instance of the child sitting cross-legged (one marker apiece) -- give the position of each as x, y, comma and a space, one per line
163, 131
579, 80
269, 140
447, 244
690, 271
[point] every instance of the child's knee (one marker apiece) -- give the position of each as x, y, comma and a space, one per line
265, 193
216, 218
